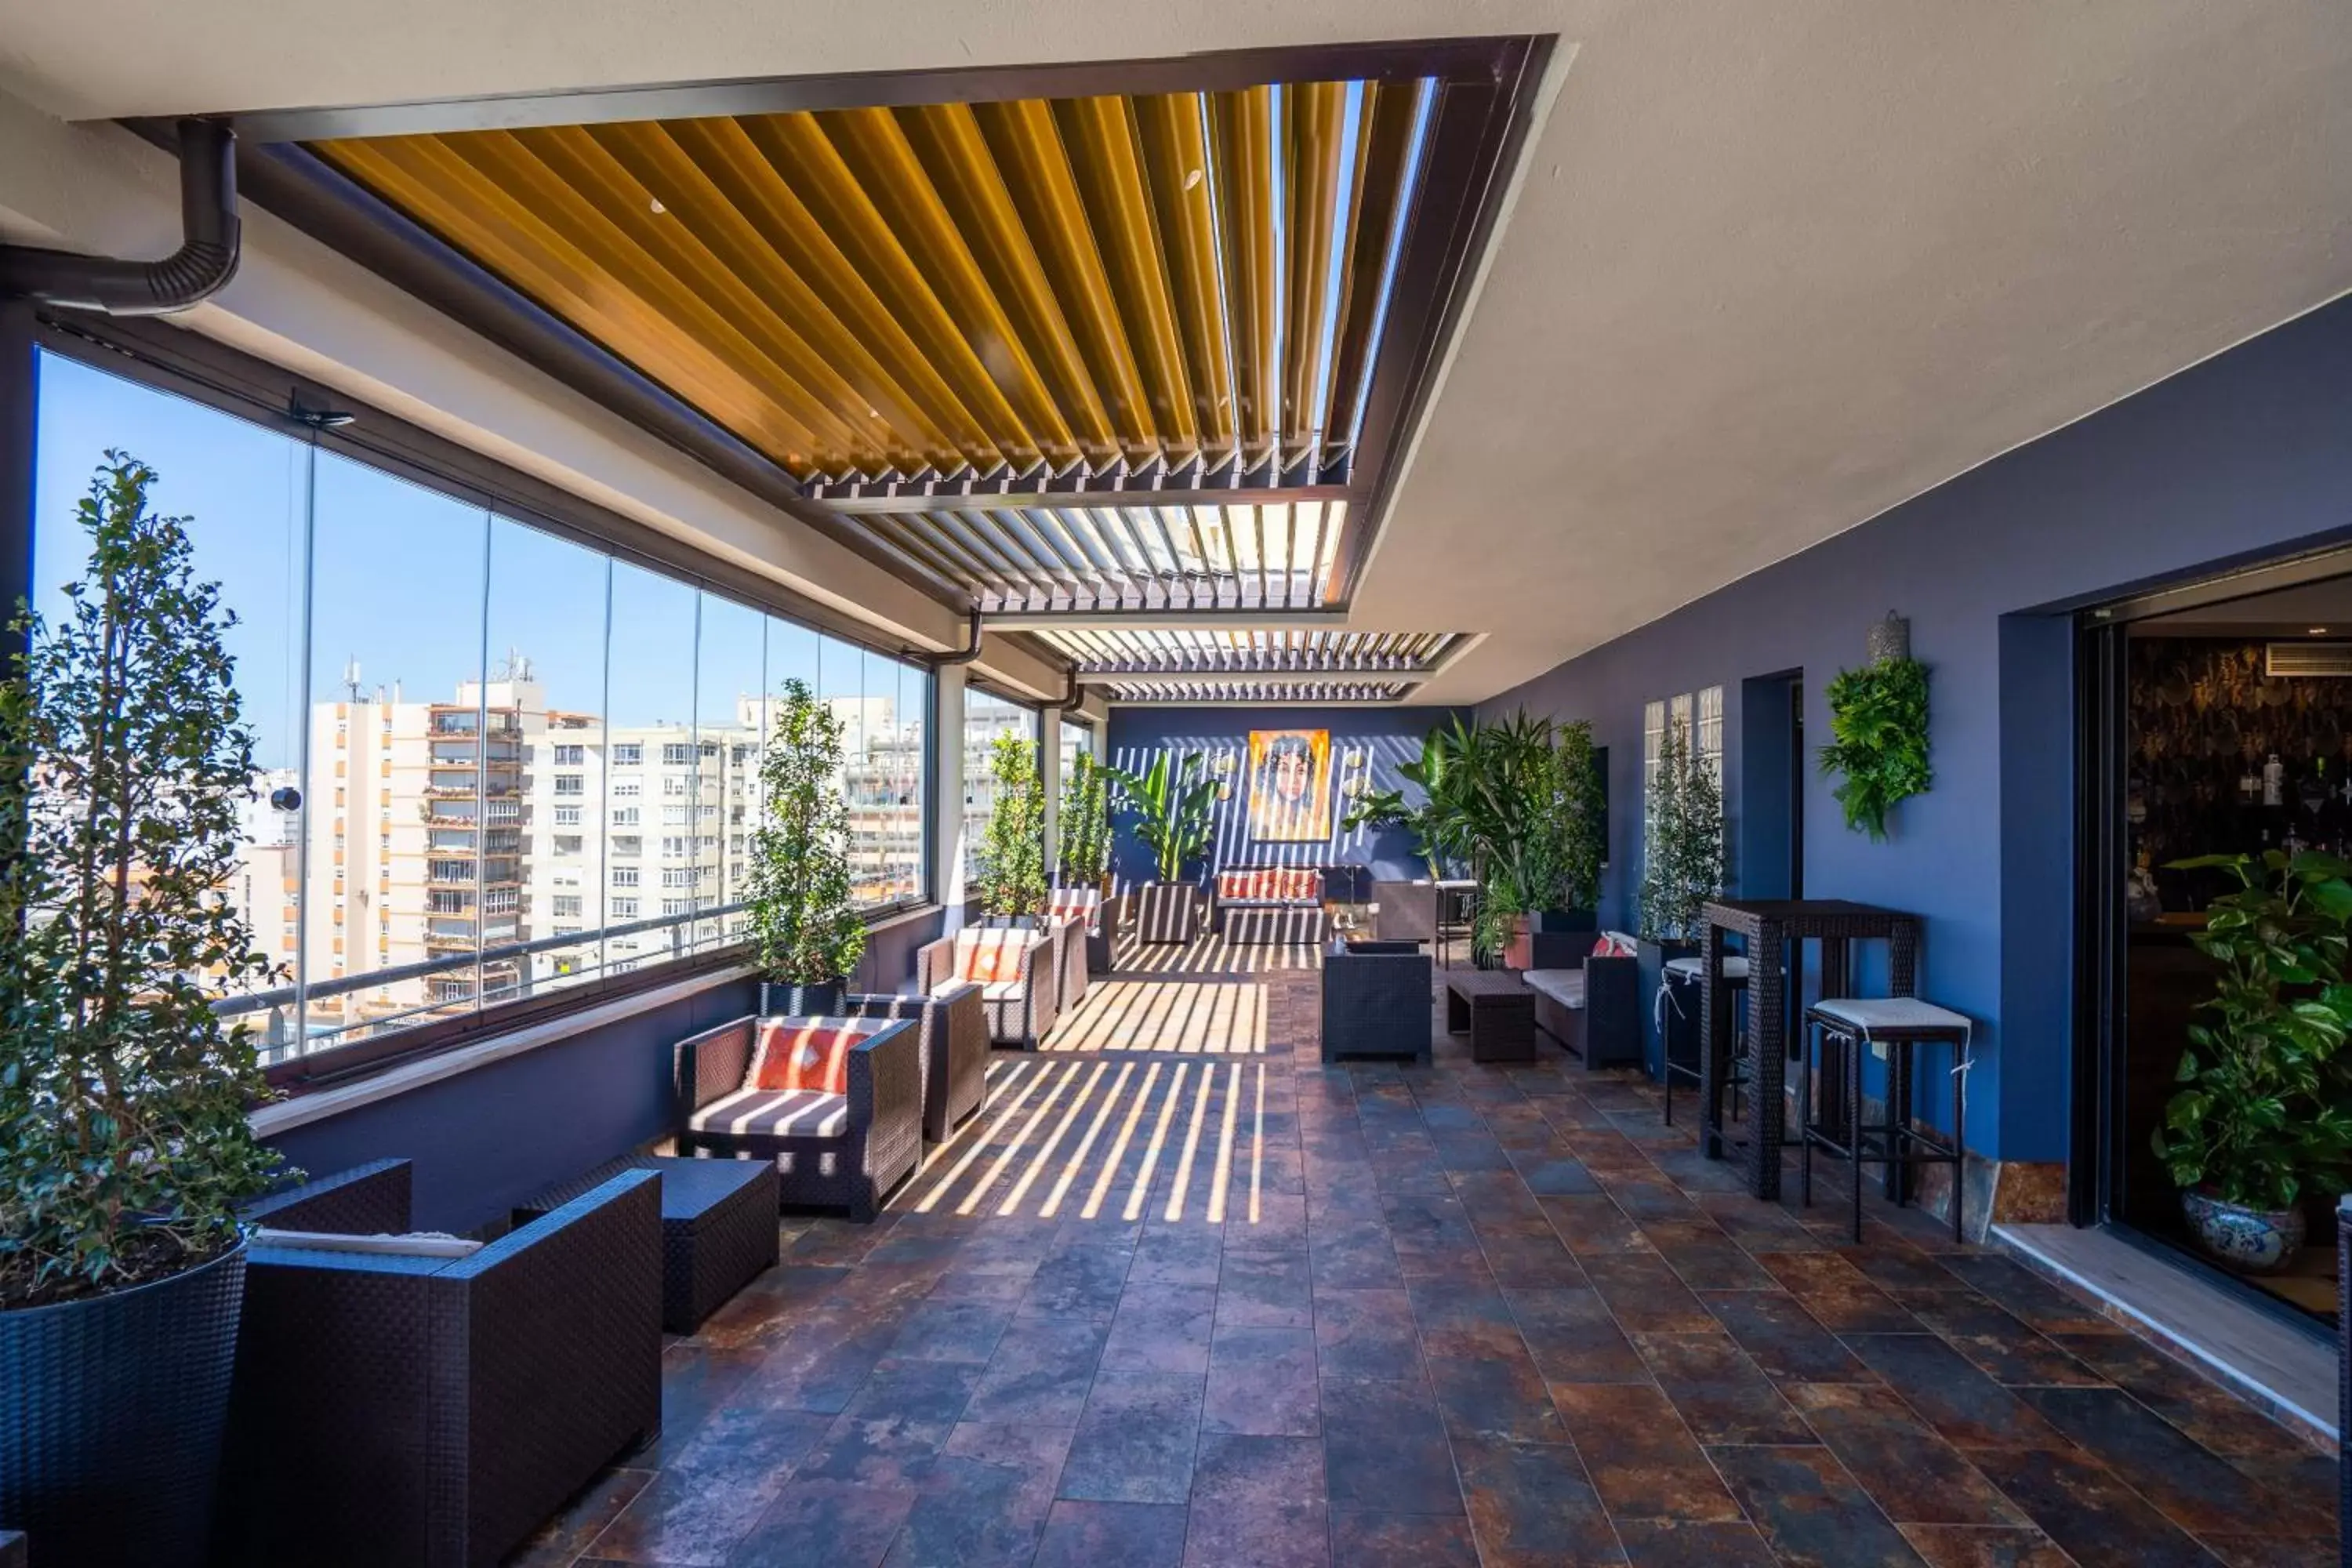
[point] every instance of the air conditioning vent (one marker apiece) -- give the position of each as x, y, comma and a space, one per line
2307, 659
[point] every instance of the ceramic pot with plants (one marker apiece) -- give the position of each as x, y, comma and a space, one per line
1173, 808
2259, 1118
806, 934
124, 1147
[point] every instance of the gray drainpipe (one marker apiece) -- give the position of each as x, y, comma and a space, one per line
206, 260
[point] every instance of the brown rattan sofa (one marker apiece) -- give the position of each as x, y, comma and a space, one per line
1262, 905
831, 1149
433, 1412
1021, 1010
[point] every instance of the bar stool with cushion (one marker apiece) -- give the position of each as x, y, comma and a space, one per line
1902, 1025
1677, 1002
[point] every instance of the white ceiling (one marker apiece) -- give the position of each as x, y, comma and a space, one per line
1771, 270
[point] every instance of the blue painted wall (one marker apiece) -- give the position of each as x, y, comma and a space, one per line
1387, 738
2243, 456
485, 1140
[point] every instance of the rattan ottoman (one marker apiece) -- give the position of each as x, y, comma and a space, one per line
718, 1227
1497, 1009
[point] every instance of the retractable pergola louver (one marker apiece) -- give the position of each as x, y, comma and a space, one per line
1066, 342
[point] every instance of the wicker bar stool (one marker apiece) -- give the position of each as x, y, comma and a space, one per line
1677, 1000
1902, 1025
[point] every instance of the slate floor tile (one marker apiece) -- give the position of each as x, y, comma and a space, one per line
1995, 1340
1385, 1447
1365, 1538
1498, 1397
2091, 1513
1967, 1407
1257, 1500
1808, 1509
1721, 1393
1262, 1381
1574, 1337
1367, 1333
985, 1501
2201, 1493
1266, 1291
1134, 1439
1530, 1504
1103, 1534
1641, 1457
1984, 1546
1677, 1543
1647, 1295
1040, 1372
1913, 1475
1784, 1339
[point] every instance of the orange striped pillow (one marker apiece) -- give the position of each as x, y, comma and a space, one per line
795, 1053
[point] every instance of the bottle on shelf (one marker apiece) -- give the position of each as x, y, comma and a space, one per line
2274, 782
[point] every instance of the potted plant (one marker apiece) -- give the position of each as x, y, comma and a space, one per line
805, 935
1172, 806
2259, 1113
123, 1137
1013, 844
1085, 826
1682, 866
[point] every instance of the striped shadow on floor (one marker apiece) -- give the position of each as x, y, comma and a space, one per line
1223, 1019
1106, 1139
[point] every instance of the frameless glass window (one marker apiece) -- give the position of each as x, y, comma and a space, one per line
511, 748
242, 489
985, 717
731, 718
547, 666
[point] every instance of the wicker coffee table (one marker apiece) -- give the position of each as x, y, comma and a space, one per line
1497, 1010
718, 1227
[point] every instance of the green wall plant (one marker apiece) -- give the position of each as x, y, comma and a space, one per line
1878, 724
804, 931
124, 755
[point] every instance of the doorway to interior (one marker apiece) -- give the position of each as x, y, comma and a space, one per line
2216, 719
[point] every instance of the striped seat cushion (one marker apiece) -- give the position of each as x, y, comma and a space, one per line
775, 1113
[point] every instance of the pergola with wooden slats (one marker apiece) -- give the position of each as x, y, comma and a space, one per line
1254, 691
1108, 655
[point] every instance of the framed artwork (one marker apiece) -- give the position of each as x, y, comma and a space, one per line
1290, 785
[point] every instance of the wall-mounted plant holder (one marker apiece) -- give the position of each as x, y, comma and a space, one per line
1878, 722
1889, 639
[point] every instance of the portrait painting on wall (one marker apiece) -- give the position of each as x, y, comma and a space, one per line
1290, 785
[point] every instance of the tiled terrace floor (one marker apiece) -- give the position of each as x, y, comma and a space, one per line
1386, 1316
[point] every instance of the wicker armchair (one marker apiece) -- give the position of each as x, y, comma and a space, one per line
833, 1150
408, 1410
1021, 1011
954, 1030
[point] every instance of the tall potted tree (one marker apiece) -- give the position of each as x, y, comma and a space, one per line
124, 1149
1173, 808
1013, 844
805, 934
1682, 866
1085, 826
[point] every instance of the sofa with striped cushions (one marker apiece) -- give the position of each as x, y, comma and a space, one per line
1261, 904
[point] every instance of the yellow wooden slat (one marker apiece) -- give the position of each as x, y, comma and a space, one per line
873, 144
963, 171
1176, 153
1383, 179
1243, 123
705, 240
1316, 137
424, 179
1028, 149
1100, 138
759, 211
589, 199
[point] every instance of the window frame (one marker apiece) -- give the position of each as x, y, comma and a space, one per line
177, 362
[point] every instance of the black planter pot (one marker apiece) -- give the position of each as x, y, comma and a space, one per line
110, 1418
1559, 921
1166, 912
1654, 957
801, 1001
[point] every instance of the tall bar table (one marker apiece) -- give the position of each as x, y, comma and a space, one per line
1768, 926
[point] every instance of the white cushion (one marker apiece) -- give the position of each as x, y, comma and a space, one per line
1565, 986
775, 1114
415, 1243
1734, 967
1891, 1013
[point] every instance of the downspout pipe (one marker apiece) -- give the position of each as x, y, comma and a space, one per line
961, 655
205, 262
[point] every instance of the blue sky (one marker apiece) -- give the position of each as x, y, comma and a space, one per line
399, 581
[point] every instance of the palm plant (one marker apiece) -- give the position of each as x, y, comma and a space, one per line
1085, 824
124, 754
1013, 845
804, 930
1174, 809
